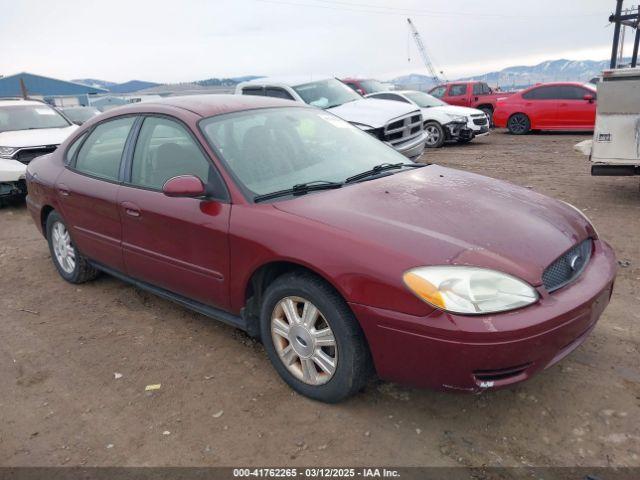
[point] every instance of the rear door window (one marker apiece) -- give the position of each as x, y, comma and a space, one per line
101, 153
258, 91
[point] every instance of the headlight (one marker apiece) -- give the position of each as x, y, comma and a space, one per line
7, 152
457, 118
469, 290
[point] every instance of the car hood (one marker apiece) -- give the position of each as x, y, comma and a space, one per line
371, 112
36, 137
435, 215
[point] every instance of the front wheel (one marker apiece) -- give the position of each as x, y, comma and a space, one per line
312, 338
489, 113
71, 265
435, 135
519, 124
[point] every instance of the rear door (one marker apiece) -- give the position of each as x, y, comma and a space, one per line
178, 244
457, 94
88, 188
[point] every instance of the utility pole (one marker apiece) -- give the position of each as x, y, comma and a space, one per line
616, 34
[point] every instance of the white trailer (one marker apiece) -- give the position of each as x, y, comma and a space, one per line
616, 139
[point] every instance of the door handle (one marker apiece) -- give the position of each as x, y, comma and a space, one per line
131, 209
64, 190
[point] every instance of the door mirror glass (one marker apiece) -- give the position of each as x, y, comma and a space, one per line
184, 186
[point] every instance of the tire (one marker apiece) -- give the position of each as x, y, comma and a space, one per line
519, 124
349, 353
435, 135
71, 265
489, 113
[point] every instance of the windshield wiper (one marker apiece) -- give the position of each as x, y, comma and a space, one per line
383, 167
299, 189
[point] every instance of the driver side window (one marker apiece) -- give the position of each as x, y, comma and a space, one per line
165, 150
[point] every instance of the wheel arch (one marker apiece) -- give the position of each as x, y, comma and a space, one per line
488, 106
262, 277
45, 211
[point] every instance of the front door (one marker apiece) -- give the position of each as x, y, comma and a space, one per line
573, 110
178, 244
88, 188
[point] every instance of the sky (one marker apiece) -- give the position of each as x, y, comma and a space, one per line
180, 41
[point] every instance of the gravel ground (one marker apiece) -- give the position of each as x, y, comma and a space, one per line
74, 363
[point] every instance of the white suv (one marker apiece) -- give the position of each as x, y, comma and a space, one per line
442, 122
28, 129
398, 125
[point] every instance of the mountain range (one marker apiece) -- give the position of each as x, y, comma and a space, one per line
522, 76
512, 77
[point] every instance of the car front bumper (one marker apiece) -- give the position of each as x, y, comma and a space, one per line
412, 148
472, 353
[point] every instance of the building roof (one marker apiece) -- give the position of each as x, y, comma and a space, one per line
43, 86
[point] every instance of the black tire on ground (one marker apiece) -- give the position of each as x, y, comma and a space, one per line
435, 135
489, 113
519, 124
82, 271
354, 365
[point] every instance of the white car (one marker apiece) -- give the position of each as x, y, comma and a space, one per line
28, 129
400, 126
442, 122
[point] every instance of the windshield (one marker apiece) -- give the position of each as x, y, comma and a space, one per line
424, 100
276, 148
30, 117
326, 93
373, 86
80, 114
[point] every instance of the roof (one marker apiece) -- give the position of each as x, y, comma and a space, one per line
288, 81
41, 85
209, 105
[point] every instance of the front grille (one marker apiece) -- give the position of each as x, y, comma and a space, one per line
25, 155
402, 129
568, 266
480, 120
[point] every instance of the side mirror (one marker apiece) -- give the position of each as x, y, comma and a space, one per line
188, 186
588, 98
360, 91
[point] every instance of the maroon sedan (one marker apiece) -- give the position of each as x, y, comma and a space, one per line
345, 259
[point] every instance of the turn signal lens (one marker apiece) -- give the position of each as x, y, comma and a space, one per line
469, 290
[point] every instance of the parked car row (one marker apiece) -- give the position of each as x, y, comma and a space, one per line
303, 229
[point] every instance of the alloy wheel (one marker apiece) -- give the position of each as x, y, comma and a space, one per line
63, 248
518, 124
433, 134
304, 340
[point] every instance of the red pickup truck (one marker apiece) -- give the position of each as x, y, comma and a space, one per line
469, 94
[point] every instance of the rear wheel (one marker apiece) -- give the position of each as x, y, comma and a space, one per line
71, 265
312, 338
435, 135
519, 124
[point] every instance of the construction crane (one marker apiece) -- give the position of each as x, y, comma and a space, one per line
423, 51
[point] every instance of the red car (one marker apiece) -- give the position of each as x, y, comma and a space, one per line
301, 229
549, 106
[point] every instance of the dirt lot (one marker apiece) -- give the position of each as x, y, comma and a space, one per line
221, 403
